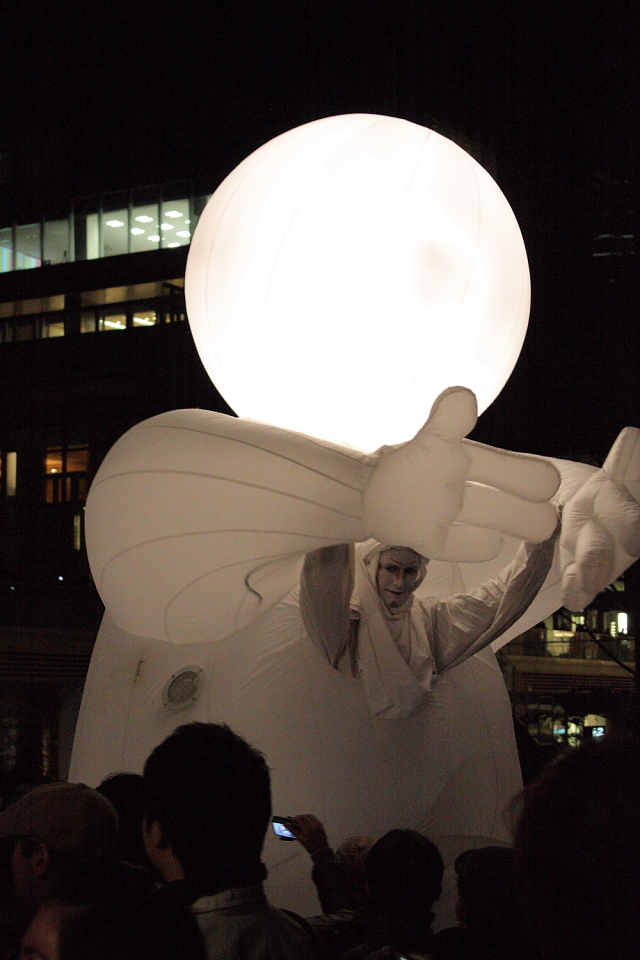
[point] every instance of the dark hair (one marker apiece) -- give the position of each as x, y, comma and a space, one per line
404, 876
485, 888
483, 877
576, 855
126, 793
105, 911
210, 792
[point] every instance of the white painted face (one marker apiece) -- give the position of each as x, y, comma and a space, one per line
397, 575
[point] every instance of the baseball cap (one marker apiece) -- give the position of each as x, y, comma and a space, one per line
69, 817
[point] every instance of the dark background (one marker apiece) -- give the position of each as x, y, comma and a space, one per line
544, 93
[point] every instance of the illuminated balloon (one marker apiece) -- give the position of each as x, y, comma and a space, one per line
351, 269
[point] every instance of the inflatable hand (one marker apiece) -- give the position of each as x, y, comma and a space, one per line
451, 499
601, 524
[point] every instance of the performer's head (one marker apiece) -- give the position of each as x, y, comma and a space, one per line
400, 571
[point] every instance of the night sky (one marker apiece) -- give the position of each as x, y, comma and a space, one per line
543, 92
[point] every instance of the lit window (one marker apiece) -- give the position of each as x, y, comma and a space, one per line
623, 623
77, 531
140, 239
88, 321
28, 253
6, 250
12, 471
112, 320
144, 318
174, 210
56, 241
115, 233
52, 327
67, 473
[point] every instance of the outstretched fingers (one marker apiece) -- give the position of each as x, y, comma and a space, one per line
522, 474
623, 461
495, 509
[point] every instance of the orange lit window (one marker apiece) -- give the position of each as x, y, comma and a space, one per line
67, 473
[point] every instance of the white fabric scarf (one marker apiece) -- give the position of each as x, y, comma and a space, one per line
395, 659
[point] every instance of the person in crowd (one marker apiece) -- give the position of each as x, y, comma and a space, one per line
487, 926
53, 828
338, 876
403, 872
577, 855
125, 791
95, 913
207, 809
340, 883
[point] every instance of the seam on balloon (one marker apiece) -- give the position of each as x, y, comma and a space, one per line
280, 456
428, 133
354, 458
242, 483
227, 566
303, 199
209, 248
218, 531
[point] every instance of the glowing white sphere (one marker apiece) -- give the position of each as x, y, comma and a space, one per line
348, 271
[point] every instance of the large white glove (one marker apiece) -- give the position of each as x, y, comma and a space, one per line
601, 524
451, 499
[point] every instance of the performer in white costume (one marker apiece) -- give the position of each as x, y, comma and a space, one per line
396, 644
198, 524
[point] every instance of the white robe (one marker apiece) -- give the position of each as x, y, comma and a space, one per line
401, 654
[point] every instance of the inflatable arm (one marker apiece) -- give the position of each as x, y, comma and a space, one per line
197, 523
601, 524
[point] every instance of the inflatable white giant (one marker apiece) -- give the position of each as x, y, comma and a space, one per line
339, 279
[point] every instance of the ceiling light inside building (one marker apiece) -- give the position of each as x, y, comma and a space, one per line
173, 214
137, 231
166, 226
144, 219
154, 238
115, 223
175, 244
183, 233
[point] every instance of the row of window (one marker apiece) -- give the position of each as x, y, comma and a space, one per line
66, 472
96, 319
104, 226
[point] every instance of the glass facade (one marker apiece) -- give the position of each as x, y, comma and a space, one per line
105, 226
110, 314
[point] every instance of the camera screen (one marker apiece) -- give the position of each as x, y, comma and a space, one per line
281, 830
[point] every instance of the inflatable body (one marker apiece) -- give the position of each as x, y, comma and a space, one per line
198, 524
449, 770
